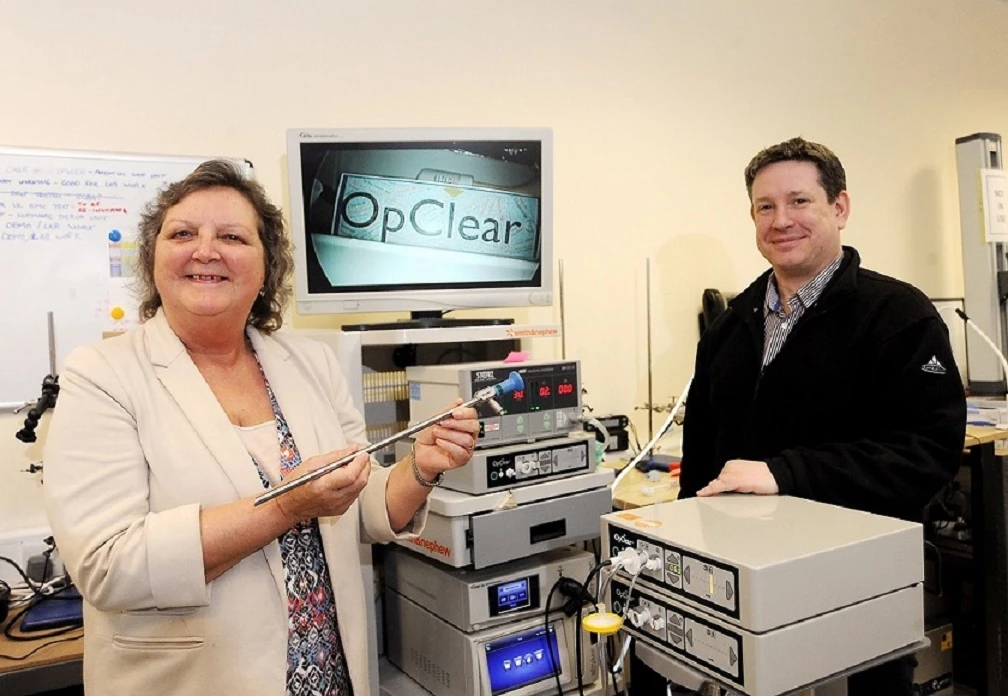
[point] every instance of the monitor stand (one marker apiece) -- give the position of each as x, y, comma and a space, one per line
428, 320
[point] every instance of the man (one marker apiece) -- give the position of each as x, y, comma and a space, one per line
822, 379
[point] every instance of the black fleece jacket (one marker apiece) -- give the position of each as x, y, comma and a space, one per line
863, 406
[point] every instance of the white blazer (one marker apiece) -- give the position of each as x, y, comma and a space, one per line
137, 445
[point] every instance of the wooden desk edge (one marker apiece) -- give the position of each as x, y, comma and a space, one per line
64, 651
982, 434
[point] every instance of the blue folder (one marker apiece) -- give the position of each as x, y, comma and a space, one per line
65, 609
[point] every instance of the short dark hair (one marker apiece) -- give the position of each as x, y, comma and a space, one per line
832, 176
267, 310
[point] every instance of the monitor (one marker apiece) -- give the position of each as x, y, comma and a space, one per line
421, 220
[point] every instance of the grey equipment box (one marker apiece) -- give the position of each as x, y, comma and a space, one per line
523, 464
777, 661
472, 600
762, 562
482, 530
517, 658
933, 676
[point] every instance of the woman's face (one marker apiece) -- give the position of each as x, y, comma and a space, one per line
208, 258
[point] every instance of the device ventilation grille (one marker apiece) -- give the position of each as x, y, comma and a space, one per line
430, 668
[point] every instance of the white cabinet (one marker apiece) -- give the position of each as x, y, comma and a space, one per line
375, 362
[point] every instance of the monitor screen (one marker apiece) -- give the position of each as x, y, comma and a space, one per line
421, 220
523, 659
513, 595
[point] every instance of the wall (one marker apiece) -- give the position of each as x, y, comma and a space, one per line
656, 106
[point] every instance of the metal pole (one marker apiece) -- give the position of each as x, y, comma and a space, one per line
487, 395
563, 322
52, 344
650, 380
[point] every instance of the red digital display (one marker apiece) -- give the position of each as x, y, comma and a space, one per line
565, 389
544, 390
518, 394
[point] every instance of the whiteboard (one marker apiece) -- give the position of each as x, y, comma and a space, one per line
67, 244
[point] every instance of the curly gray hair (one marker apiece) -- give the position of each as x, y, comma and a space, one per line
267, 310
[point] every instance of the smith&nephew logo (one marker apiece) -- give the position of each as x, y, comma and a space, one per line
933, 366
532, 331
431, 547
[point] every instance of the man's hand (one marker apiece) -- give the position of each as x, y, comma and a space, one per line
742, 476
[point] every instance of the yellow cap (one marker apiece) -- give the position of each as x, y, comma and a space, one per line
117, 313
604, 623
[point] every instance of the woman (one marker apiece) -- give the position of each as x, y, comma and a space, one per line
163, 437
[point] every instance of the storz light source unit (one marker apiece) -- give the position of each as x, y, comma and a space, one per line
748, 584
548, 406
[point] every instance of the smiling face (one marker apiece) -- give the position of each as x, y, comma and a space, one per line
208, 259
797, 227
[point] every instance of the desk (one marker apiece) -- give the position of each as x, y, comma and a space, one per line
53, 667
630, 491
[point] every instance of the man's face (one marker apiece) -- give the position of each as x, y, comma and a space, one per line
797, 229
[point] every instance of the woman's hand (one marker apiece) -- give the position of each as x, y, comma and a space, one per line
328, 495
448, 444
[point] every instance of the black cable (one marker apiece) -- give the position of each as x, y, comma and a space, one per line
554, 659
24, 576
581, 594
577, 649
577, 635
577, 595
31, 652
5, 598
28, 581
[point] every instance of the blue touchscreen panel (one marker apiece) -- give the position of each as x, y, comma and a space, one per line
522, 659
513, 595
